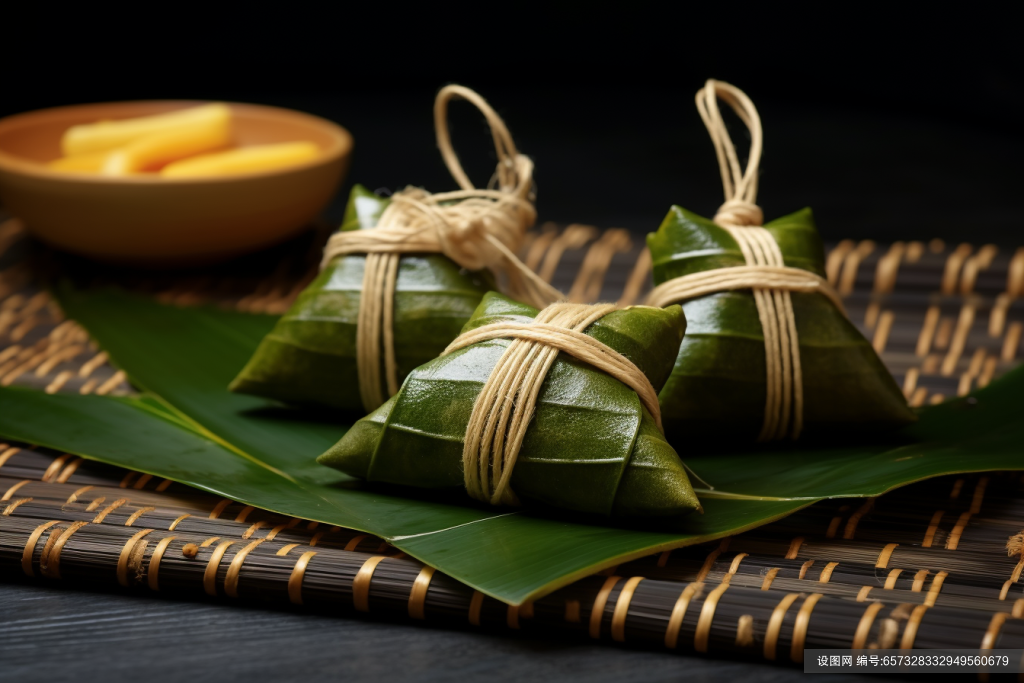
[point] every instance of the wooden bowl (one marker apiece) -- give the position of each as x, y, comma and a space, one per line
149, 220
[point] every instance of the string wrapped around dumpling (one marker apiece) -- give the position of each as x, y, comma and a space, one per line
769, 353
399, 280
518, 411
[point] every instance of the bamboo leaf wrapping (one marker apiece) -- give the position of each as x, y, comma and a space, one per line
717, 388
309, 358
591, 447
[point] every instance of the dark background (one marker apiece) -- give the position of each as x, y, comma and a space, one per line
891, 124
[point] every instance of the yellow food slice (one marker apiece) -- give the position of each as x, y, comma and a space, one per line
108, 135
181, 141
244, 160
83, 163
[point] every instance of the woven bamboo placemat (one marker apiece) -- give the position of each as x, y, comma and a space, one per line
925, 566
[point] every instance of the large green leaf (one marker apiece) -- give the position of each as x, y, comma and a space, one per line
249, 450
513, 556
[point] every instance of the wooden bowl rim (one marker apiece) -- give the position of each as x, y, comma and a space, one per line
339, 147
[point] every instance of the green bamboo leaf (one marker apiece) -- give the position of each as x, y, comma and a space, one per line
186, 357
718, 388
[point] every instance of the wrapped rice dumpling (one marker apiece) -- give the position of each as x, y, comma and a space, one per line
769, 353
309, 358
528, 421
399, 280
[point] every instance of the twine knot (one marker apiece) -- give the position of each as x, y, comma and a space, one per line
475, 228
1015, 544
465, 243
739, 213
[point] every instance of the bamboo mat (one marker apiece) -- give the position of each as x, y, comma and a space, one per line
924, 566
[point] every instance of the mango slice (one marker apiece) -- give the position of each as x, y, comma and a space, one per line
107, 135
81, 163
178, 142
244, 160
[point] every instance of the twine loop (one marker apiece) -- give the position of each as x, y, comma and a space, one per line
740, 185
505, 406
476, 228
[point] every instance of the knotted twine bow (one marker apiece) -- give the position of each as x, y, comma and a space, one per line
476, 228
505, 406
765, 272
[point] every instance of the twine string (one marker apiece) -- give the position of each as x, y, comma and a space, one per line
741, 277
475, 227
765, 272
740, 185
502, 412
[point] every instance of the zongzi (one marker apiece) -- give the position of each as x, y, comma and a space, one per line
310, 357
769, 353
557, 407
399, 280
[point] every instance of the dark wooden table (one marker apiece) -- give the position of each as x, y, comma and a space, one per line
53, 633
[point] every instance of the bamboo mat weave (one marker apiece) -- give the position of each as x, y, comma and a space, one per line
924, 566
